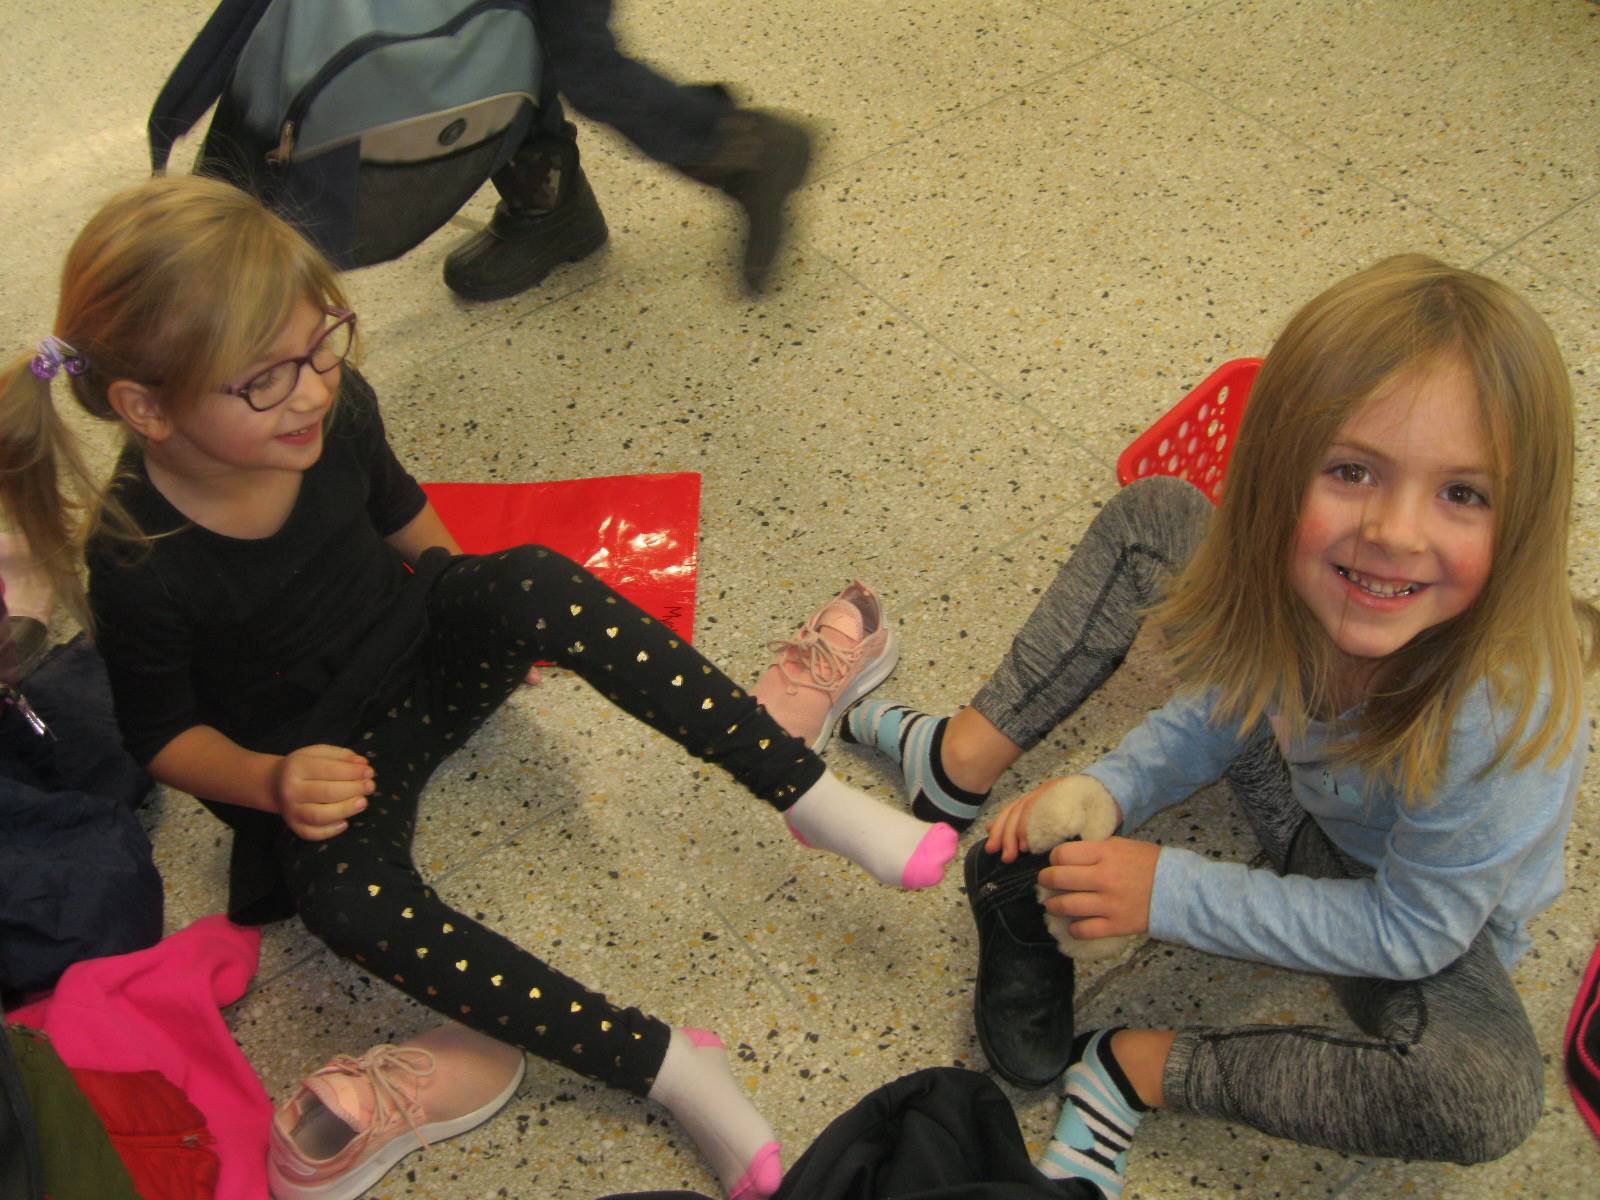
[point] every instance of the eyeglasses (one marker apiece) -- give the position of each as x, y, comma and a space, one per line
269, 388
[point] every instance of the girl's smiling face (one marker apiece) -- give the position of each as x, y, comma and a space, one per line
1396, 533
225, 433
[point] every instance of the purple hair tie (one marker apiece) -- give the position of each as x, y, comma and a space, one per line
55, 354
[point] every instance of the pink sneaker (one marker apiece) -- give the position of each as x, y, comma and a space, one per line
352, 1120
844, 651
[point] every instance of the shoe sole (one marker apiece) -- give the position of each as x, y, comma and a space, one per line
864, 683
366, 1175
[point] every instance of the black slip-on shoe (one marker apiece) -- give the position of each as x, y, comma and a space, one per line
1023, 1004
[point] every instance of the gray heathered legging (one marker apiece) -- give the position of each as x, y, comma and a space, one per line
1448, 1068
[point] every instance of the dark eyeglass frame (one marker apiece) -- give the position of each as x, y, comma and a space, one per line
342, 317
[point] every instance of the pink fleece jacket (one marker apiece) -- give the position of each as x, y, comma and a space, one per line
159, 1009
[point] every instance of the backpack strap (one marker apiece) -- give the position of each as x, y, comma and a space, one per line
197, 81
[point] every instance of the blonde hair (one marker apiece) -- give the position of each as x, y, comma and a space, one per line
1233, 618
176, 284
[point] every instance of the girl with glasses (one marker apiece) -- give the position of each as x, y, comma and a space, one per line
294, 637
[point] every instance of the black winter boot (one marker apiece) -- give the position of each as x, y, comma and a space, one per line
547, 216
759, 159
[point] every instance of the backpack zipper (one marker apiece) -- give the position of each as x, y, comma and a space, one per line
294, 115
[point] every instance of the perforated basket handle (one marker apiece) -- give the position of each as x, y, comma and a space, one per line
1194, 440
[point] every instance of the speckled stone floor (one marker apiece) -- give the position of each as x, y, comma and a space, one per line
1031, 227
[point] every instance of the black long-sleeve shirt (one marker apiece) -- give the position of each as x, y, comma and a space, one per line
248, 635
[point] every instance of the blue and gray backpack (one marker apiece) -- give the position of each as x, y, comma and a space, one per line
367, 123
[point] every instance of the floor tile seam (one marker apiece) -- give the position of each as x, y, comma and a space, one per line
1142, 953
910, 319
1000, 387
1358, 1174
1555, 281
1046, 519
1545, 224
265, 979
1347, 169
757, 960
728, 927
940, 584
955, 117
262, 980
1509, 250
1063, 11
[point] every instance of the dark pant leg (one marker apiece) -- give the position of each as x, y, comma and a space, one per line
498, 613
671, 122
490, 618
1081, 629
361, 893
1445, 1068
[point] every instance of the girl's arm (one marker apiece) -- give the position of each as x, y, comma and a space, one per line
316, 789
1485, 852
1173, 753
422, 532
396, 503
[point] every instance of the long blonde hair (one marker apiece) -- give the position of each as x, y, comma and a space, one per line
1233, 619
176, 284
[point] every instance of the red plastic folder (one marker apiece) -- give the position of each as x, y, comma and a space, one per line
638, 533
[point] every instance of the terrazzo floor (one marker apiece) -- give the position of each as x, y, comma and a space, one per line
1031, 227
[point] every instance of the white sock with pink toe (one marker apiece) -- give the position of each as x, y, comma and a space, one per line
697, 1087
894, 846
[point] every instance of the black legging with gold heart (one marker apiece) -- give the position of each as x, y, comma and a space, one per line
490, 618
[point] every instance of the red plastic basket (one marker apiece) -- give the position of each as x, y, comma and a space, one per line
1195, 439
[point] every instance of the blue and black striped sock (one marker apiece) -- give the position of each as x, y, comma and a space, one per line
1099, 1113
914, 740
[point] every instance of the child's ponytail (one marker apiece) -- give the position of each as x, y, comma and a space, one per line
46, 490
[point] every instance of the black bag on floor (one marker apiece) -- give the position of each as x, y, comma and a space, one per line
367, 123
938, 1134
77, 878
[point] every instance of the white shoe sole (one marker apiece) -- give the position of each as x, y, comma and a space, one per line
863, 683
363, 1177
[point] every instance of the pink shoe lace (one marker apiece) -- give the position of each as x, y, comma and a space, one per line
379, 1068
809, 660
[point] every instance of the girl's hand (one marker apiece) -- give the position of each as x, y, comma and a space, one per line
319, 788
531, 679
1075, 806
1009, 831
1106, 885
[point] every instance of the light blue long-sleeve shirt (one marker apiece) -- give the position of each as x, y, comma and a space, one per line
1486, 853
